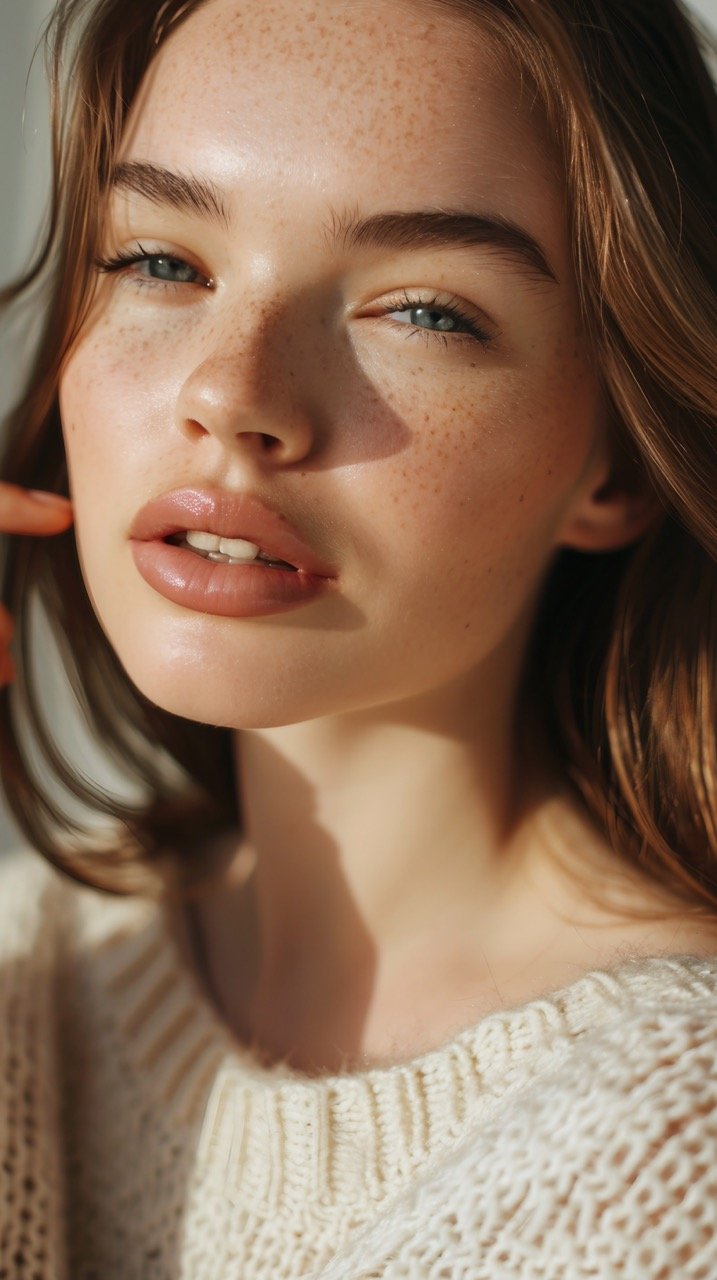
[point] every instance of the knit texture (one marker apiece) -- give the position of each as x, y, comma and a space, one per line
571, 1137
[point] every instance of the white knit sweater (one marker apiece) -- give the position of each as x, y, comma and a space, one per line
571, 1137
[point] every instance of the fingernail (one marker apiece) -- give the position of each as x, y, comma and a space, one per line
52, 499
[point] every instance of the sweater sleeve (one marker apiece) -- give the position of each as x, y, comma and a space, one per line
31, 1166
605, 1168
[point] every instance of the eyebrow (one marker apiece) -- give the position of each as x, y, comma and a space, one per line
408, 229
439, 228
162, 186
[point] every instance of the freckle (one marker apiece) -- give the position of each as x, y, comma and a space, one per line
467, 627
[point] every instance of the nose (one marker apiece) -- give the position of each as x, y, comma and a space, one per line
242, 389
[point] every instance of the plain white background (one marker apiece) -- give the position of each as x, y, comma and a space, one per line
24, 164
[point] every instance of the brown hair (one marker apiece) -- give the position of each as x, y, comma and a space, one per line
623, 661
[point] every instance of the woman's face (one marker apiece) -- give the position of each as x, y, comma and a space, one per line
416, 400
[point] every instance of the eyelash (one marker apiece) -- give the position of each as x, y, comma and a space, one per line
471, 329
122, 261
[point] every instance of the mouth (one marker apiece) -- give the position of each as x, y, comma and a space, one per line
236, 551
209, 581
231, 529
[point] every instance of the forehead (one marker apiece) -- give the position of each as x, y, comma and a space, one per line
386, 103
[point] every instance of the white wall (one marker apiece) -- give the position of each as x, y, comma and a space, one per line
707, 9
24, 164
24, 140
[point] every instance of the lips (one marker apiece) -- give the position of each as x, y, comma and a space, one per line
228, 515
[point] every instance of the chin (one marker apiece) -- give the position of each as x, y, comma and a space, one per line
206, 706
214, 694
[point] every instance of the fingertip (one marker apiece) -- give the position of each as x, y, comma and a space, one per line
56, 500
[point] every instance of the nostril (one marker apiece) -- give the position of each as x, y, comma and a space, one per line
260, 438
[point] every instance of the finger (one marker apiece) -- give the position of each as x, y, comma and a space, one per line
31, 511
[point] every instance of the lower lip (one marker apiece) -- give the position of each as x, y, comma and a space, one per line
231, 591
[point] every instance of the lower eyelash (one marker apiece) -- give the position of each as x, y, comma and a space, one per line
122, 261
472, 331
473, 334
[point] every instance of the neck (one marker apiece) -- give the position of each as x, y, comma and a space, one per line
377, 850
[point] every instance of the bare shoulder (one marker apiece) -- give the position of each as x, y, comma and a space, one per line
603, 909
681, 935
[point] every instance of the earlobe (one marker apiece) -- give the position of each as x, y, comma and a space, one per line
614, 515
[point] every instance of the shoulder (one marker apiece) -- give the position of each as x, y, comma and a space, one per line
601, 1158
45, 910
32, 892
602, 1165
31, 1153
22, 864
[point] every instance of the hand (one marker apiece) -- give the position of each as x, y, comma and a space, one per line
23, 511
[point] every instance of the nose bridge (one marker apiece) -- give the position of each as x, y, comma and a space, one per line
242, 366
261, 362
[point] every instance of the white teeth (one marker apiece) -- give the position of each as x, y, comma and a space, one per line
237, 548
225, 550
202, 541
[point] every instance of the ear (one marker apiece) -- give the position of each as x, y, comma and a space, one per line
611, 512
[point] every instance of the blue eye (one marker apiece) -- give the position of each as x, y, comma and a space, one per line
434, 317
162, 269
426, 317
171, 270
447, 317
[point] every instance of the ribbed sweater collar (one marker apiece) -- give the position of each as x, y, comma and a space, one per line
291, 1139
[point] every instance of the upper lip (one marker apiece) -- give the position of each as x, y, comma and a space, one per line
228, 515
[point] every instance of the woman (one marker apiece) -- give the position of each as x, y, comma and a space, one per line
379, 369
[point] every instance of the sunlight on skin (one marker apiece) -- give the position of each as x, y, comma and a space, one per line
439, 465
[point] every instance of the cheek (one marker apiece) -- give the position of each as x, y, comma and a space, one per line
115, 395
453, 523
111, 457
466, 517
490, 471
83, 411
121, 367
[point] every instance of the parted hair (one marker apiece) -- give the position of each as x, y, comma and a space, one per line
622, 668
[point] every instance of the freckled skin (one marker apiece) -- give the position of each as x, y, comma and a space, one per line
417, 466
